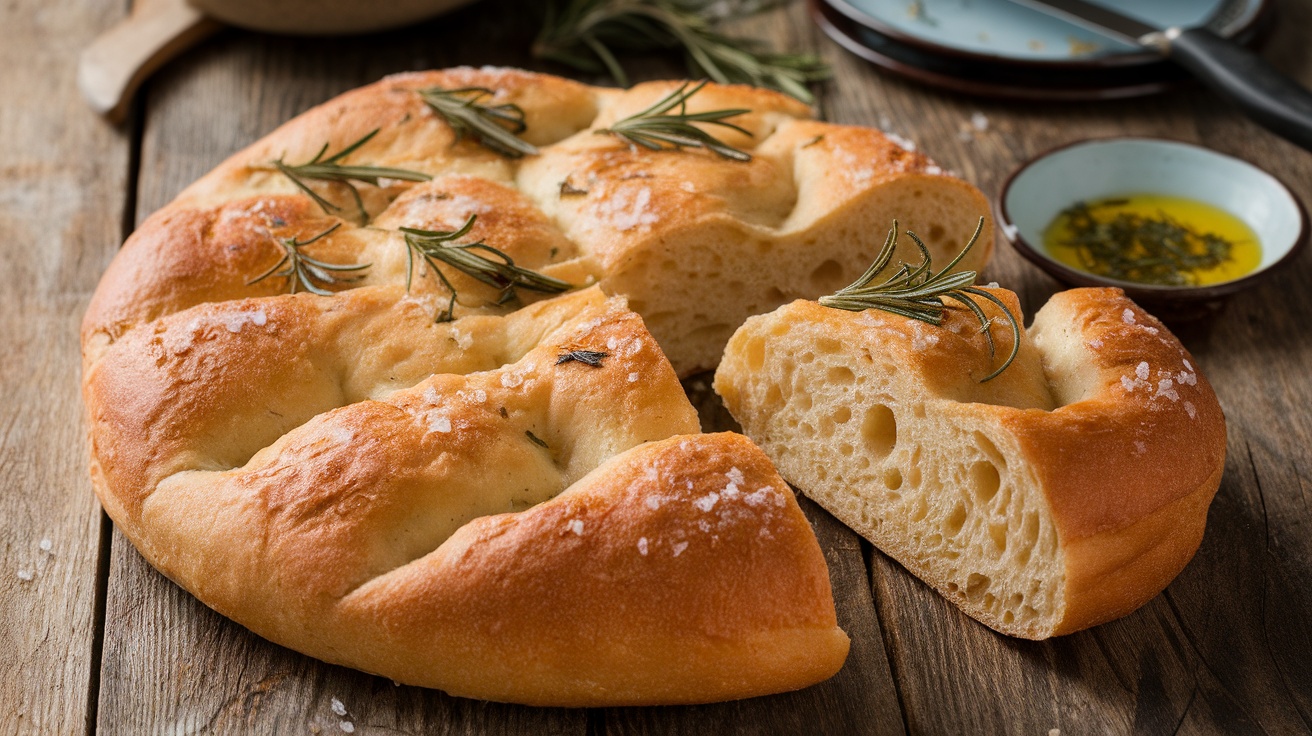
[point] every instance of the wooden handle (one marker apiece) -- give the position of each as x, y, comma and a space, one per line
119, 60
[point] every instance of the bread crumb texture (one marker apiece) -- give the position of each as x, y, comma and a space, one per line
1066, 492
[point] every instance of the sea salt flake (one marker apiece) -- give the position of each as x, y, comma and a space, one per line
704, 525
1187, 366
576, 526
235, 321
430, 395
679, 547
628, 210
612, 343
653, 502
25, 575
1141, 371
1166, 387
979, 121
1139, 447
707, 502
347, 726
440, 424
46, 545
1128, 384
511, 380
633, 377
1190, 409
338, 707
1127, 316
735, 476
642, 546
480, 396
342, 435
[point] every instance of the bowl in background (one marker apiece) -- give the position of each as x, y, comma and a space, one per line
1095, 169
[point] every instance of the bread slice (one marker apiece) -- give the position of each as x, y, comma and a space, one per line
1066, 492
696, 242
510, 508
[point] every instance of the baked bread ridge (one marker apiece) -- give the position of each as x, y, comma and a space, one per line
335, 474
696, 242
1067, 492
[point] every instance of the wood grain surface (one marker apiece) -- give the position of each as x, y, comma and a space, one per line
97, 641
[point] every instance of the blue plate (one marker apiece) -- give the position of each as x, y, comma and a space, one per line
1003, 31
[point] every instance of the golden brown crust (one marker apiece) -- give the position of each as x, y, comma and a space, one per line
803, 217
1103, 413
348, 478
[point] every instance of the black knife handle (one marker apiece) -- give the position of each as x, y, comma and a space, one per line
1276, 102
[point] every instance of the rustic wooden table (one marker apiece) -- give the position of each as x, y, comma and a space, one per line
93, 640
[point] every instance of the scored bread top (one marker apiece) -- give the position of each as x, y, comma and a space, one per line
1103, 432
697, 242
462, 505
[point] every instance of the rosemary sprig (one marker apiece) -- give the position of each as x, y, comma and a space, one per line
918, 292
307, 272
586, 357
496, 127
332, 169
494, 269
658, 128
585, 34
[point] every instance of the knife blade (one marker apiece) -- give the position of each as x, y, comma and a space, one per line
1271, 99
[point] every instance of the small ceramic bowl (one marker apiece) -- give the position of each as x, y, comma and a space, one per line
1088, 170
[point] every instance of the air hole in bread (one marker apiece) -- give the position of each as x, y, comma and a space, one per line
892, 478
984, 481
977, 585
936, 233
756, 354
840, 375
952, 525
828, 276
879, 430
841, 415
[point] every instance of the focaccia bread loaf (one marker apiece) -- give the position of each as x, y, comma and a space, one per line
1064, 493
512, 508
697, 242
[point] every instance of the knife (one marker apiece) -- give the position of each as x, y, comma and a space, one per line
1268, 97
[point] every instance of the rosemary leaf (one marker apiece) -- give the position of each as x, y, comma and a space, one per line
657, 128
305, 272
495, 127
587, 357
536, 439
332, 170
584, 34
917, 292
494, 269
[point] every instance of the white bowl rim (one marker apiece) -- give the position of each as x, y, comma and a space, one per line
1040, 257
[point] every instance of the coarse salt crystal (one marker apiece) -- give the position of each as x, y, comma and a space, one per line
576, 526
1127, 316
1127, 383
612, 343
704, 525
1190, 409
25, 575
1139, 447
979, 121
707, 502
511, 380
342, 435
347, 726
642, 546
735, 475
633, 377
46, 545
653, 503
430, 395
1187, 366
679, 547
480, 395
1096, 344
1141, 370
440, 424
338, 707
1166, 387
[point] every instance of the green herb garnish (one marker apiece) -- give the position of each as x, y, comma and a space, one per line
1146, 250
333, 170
585, 34
495, 127
310, 274
918, 292
494, 269
656, 128
587, 357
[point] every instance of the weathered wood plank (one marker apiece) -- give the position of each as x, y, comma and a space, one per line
62, 188
1227, 648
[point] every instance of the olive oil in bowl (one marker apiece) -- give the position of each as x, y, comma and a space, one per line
1154, 239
